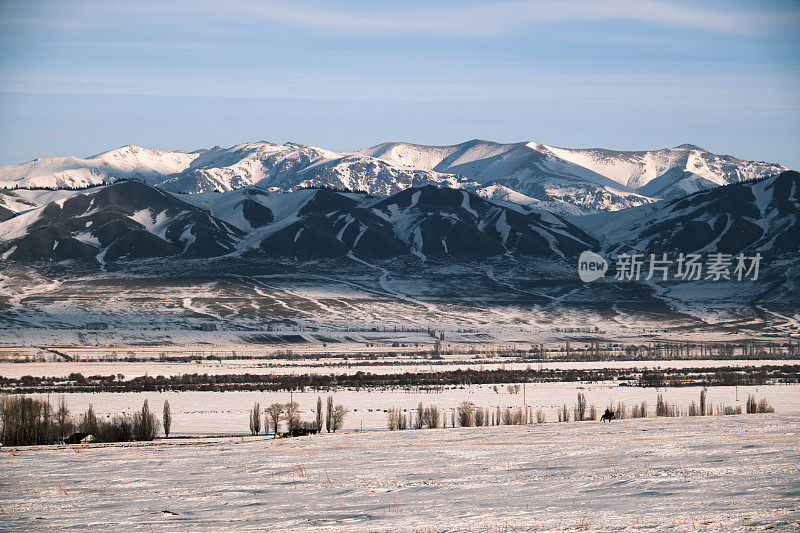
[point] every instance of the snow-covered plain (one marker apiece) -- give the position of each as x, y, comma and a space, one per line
337, 365
731, 473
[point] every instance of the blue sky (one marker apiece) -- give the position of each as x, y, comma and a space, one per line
80, 77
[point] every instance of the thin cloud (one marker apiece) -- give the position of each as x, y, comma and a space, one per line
500, 17
454, 19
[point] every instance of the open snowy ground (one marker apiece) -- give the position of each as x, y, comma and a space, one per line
700, 473
346, 305
333, 365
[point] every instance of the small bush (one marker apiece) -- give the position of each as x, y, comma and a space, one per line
764, 407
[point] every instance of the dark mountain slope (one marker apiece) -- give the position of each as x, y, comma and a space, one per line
125, 220
759, 216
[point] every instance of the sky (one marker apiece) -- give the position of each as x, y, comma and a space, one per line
81, 77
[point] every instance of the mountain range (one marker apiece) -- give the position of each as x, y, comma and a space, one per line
133, 220
158, 266
562, 180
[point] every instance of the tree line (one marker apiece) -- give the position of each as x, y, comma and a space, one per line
669, 377
332, 418
467, 414
28, 421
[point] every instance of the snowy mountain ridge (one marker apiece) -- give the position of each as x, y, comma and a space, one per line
132, 220
564, 180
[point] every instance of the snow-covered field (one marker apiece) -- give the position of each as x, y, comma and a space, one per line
685, 474
203, 413
335, 365
350, 307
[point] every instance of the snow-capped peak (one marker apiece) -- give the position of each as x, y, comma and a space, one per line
563, 178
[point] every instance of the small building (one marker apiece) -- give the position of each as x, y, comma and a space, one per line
79, 438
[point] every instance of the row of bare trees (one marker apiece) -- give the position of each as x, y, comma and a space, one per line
468, 415
666, 409
28, 421
465, 415
289, 413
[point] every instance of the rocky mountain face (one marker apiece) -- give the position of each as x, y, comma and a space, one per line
131, 220
428, 222
127, 220
761, 216
563, 180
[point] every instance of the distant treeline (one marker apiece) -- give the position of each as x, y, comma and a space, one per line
669, 377
577, 350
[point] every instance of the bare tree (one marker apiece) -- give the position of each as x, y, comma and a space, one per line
393, 418
330, 414
466, 414
89, 421
662, 408
320, 416
420, 416
255, 419
145, 424
167, 418
580, 408
273, 417
63, 421
432, 416
478, 417
751, 405
292, 416
703, 402
337, 421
